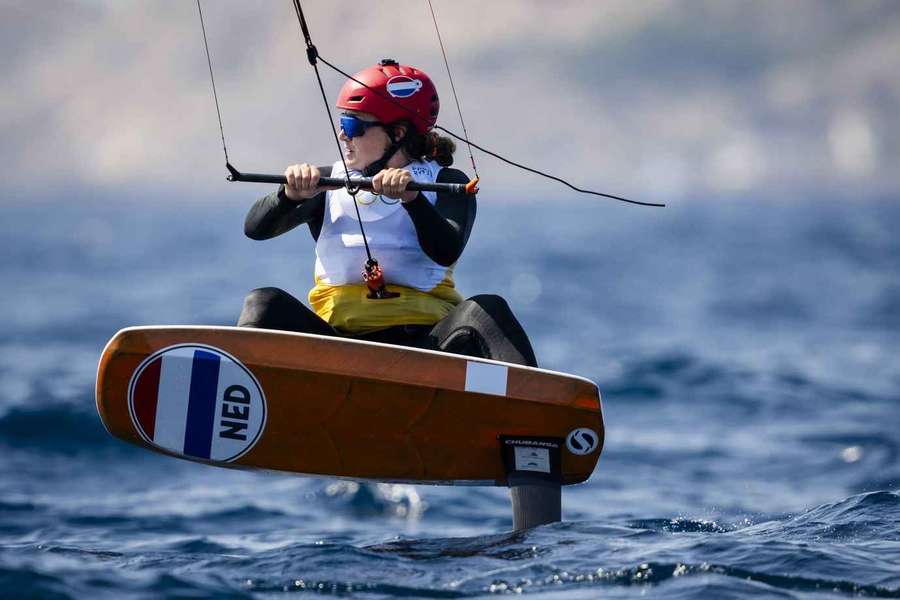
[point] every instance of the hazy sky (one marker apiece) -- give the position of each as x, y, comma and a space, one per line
659, 100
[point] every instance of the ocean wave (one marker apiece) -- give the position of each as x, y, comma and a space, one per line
835, 548
56, 428
680, 525
29, 582
864, 517
693, 580
654, 377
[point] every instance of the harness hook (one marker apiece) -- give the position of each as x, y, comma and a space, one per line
374, 278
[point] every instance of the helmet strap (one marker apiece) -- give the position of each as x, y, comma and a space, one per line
389, 152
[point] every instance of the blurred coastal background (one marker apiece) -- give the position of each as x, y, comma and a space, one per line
744, 337
662, 100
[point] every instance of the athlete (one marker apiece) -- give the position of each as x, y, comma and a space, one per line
417, 237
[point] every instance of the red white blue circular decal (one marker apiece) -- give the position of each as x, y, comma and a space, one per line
401, 86
197, 401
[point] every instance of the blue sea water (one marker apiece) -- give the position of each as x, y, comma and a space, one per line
746, 351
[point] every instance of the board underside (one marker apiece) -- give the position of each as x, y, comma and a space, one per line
261, 399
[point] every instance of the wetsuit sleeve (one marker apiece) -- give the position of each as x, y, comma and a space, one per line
275, 214
443, 228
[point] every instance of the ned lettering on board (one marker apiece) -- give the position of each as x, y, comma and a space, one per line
235, 413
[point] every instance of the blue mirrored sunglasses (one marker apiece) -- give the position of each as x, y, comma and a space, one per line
353, 126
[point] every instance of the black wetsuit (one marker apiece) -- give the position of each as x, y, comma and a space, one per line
482, 326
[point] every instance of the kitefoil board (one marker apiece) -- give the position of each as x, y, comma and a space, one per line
318, 405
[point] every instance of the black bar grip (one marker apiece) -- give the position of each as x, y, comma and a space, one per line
356, 183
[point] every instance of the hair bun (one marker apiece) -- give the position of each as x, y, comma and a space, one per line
442, 149
430, 146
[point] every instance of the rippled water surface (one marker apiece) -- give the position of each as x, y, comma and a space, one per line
746, 352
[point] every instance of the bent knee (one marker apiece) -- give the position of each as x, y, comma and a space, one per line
492, 304
263, 296
260, 304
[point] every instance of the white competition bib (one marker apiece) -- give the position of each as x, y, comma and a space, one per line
340, 251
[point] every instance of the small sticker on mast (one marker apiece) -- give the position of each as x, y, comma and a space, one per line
529, 459
532, 459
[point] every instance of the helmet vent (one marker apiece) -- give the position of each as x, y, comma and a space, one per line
355, 99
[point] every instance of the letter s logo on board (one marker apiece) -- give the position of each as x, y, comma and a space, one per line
582, 441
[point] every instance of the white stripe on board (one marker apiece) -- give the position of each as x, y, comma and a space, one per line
172, 399
486, 378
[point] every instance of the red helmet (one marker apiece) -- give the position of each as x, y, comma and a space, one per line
400, 92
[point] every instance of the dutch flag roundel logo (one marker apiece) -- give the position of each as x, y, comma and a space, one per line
198, 402
401, 86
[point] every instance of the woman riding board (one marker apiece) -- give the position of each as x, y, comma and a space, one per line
386, 130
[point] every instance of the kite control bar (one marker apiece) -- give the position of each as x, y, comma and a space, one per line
470, 188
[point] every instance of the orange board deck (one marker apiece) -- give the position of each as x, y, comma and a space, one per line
315, 405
